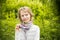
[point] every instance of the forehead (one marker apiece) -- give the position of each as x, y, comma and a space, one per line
23, 12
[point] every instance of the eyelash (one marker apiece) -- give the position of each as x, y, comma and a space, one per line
22, 15
25, 15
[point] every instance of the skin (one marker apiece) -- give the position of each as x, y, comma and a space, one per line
25, 16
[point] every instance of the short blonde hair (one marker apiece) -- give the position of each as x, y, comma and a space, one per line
25, 9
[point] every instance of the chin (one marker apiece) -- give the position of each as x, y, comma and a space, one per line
26, 21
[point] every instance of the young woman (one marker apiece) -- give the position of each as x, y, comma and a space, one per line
26, 30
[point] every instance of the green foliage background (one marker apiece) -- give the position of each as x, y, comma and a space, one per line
46, 17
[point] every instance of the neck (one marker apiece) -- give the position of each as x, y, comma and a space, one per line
26, 25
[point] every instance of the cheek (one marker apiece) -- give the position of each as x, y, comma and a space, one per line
22, 18
29, 17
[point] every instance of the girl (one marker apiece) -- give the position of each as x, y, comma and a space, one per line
26, 30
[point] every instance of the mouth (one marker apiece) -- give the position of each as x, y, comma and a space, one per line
25, 19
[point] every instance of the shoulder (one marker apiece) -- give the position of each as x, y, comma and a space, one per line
36, 27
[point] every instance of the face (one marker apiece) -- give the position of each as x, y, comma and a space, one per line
25, 16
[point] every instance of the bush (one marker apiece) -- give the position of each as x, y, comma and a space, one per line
45, 17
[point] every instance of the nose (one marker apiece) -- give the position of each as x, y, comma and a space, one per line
24, 16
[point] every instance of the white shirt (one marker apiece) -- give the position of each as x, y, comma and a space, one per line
32, 34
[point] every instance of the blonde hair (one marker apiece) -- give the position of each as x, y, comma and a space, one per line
25, 9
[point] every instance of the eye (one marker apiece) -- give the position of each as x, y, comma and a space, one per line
26, 14
22, 15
